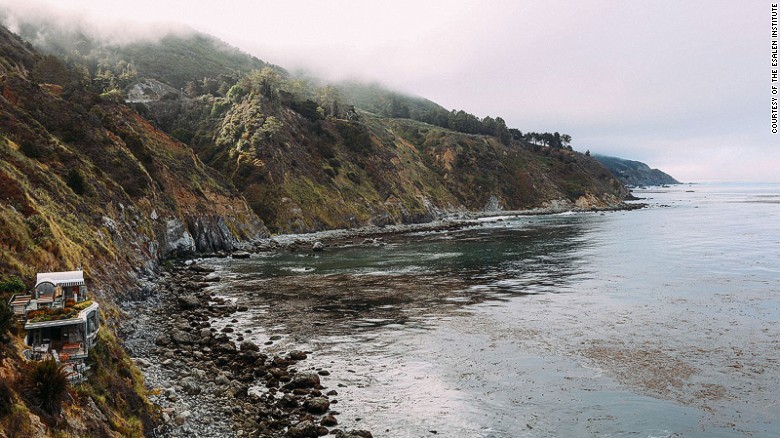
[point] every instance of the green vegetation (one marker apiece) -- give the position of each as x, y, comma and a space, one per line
117, 387
86, 181
76, 182
67, 312
47, 386
12, 285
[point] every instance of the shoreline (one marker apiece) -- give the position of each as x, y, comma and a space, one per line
200, 377
215, 383
445, 223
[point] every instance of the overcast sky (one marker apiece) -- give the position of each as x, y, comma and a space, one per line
681, 85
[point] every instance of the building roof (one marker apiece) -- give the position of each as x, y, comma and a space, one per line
68, 278
80, 319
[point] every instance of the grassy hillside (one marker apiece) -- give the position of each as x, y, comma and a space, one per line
308, 155
85, 181
303, 168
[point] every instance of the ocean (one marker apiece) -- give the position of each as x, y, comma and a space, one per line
659, 322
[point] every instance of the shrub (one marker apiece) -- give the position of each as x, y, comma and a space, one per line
6, 318
47, 386
76, 182
82, 305
12, 285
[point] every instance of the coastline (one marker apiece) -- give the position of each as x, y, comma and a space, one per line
447, 222
215, 383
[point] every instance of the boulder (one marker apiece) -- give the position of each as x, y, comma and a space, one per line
222, 380
163, 340
205, 335
241, 255
182, 417
317, 405
329, 421
303, 380
304, 429
190, 386
318, 246
296, 355
187, 302
249, 346
287, 402
181, 337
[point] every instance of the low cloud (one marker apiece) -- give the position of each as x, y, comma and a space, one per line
682, 84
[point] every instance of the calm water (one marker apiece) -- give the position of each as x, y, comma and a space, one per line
652, 323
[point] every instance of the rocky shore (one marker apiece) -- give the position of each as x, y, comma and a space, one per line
211, 383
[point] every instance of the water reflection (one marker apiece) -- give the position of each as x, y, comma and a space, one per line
410, 277
660, 322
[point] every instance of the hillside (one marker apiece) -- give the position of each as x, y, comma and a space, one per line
303, 170
85, 181
635, 173
88, 180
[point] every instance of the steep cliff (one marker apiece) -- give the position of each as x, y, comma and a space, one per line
306, 159
309, 155
85, 181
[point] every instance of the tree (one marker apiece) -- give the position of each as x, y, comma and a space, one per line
235, 93
329, 98
397, 109
271, 127
51, 70
501, 131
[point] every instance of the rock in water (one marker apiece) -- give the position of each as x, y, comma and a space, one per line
304, 380
318, 246
241, 255
249, 346
329, 421
296, 354
304, 429
317, 405
201, 269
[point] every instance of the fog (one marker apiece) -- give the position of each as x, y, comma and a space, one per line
683, 86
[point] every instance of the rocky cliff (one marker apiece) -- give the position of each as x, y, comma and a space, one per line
308, 155
303, 165
85, 181
635, 173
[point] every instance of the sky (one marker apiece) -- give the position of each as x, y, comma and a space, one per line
684, 86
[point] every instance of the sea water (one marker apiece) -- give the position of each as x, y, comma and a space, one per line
658, 322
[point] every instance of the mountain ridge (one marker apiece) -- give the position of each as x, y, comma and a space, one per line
635, 173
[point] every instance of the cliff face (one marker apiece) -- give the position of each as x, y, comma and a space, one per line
302, 171
87, 182
309, 156
635, 173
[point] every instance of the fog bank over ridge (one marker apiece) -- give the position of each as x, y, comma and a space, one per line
681, 85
